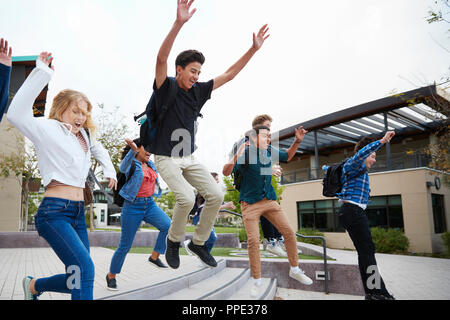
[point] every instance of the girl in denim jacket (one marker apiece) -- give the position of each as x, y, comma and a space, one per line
138, 206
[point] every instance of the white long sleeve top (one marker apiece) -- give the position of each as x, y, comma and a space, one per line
60, 155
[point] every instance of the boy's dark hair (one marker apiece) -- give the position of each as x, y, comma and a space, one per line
214, 174
188, 56
259, 120
362, 143
127, 147
255, 131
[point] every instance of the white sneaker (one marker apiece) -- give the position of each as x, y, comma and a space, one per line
276, 250
254, 291
301, 277
186, 242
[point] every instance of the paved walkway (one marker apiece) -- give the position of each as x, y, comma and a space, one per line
137, 272
406, 277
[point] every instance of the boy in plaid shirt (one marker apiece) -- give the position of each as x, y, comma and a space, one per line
354, 197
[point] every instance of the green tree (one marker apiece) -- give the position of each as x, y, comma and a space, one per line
166, 202
22, 164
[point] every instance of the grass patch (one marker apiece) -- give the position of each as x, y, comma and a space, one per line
218, 252
189, 229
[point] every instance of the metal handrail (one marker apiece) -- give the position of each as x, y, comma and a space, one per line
324, 245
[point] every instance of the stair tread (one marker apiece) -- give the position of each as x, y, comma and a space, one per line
205, 286
244, 292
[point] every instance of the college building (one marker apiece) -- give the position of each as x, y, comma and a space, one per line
406, 193
12, 143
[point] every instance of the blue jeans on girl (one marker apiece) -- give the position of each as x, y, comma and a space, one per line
62, 224
133, 213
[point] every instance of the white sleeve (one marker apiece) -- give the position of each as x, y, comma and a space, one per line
102, 156
20, 111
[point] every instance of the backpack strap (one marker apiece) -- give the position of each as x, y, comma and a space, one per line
347, 176
197, 98
89, 136
162, 110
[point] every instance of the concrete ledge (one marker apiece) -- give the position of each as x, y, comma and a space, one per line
344, 278
31, 239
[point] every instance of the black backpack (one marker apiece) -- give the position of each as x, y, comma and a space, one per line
121, 180
239, 174
332, 183
155, 115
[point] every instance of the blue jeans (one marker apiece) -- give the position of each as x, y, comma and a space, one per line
212, 237
133, 213
62, 224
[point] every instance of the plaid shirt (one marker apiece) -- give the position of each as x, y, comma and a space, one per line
356, 190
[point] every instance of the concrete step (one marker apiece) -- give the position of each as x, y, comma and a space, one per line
229, 284
266, 291
212, 288
169, 286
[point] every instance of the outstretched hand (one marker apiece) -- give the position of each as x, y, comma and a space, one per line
300, 134
183, 14
259, 38
388, 136
46, 58
5, 53
132, 145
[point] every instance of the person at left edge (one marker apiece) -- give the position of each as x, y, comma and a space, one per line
5, 74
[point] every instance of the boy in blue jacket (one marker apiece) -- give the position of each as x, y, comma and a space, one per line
354, 198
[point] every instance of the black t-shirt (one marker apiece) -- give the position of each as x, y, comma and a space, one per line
176, 134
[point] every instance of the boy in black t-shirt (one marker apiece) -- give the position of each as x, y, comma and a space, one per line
175, 137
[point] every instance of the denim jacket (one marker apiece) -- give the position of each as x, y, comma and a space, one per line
131, 188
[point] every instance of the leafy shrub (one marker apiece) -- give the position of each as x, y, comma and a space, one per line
389, 241
446, 239
242, 235
310, 232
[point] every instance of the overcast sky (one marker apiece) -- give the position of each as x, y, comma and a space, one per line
321, 56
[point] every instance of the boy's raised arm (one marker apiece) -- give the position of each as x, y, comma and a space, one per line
183, 15
258, 41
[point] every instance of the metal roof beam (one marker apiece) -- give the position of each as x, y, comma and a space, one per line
423, 112
338, 135
358, 126
371, 124
374, 118
409, 117
347, 127
405, 122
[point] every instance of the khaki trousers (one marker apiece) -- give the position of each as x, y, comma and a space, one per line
182, 175
272, 211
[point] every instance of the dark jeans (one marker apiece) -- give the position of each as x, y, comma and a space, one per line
269, 230
62, 224
355, 221
133, 213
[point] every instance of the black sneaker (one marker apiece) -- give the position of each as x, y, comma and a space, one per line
157, 263
172, 253
385, 296
202, 253
111, 283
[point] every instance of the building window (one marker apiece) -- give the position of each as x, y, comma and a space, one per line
440, 224
321, 215
102, 216
385, 212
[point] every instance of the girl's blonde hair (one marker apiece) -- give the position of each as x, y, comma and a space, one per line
62, 102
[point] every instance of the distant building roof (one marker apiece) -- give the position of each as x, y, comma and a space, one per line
408, 113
